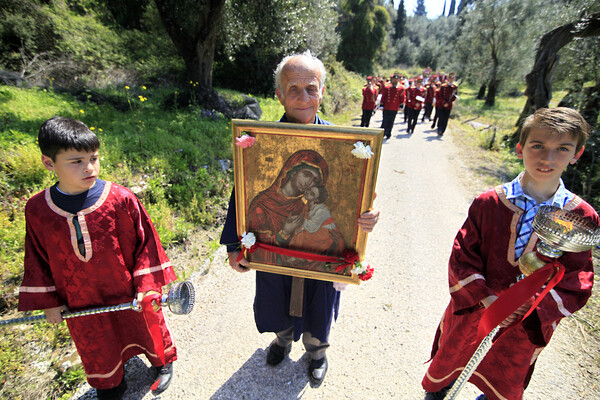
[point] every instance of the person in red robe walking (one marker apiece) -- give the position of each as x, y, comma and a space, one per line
393, 97
484, 264
369, 93
429, 95
415, 97
447, 94
90, 243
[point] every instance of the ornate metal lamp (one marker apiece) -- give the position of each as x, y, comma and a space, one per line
180, 300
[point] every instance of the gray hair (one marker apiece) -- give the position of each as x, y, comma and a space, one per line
307, 54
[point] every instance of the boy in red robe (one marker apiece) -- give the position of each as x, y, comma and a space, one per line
483, 265
90, 243
415, 96
393, 98
444, 98
369, 93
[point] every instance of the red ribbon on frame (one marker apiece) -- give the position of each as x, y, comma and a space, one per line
349, 257
518, 294
153, 323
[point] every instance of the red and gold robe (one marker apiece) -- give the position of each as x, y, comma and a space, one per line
483, 263
123, 256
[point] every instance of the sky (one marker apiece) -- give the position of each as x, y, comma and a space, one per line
434, 8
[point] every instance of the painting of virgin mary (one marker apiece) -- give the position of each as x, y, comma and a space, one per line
280, 214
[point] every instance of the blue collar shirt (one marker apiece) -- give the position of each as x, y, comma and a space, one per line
515, 194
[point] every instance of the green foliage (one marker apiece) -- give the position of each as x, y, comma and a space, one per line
425, 43
400, 22
363, 27
68, 381
25, 30
87, 40
79, 42
420, 10
256, 35
343, 89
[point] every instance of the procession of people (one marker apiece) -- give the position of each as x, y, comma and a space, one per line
411, 95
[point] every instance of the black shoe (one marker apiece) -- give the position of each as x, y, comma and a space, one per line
164, 375
433, 126
481, 397
317, 370
276, 353
440, 394
437, 395
115, 393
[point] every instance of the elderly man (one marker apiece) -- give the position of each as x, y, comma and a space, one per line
299, 81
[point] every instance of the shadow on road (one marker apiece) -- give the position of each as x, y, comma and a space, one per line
139, 378
255, 380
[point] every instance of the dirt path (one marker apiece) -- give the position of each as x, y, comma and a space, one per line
383, 337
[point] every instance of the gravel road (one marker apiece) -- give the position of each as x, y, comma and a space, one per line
381, 342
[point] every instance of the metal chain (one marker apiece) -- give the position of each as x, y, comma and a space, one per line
472, 365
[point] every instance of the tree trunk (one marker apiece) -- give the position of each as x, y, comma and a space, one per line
490, 99
192, 28
481, 94
539, 80
590, 107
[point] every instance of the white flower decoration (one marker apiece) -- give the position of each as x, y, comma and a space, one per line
248, 239
359, 269
362, 151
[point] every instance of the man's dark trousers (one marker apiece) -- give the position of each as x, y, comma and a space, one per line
388, 122
443, 116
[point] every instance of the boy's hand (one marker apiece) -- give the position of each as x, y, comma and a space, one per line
239, 266
487, 302
141, 295
54, 315
518, 314
515, 316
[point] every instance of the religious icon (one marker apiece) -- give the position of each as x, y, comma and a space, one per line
302, 188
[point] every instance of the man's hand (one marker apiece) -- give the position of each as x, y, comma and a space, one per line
368, 220
54, 315
239, 266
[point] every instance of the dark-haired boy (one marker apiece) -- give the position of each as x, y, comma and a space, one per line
90, 243
483, 264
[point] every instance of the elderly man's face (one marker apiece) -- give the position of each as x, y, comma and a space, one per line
300, 95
